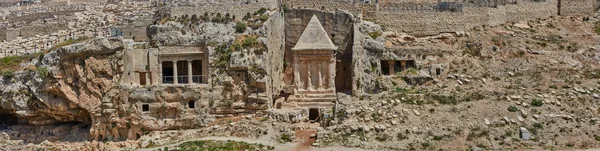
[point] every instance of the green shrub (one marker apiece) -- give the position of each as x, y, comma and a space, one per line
264, 17
285, 137
260, 11
513, 109
597, 137
537, 103
42, 72
597, 28
250, 42
538, 125
375, 34
7, 74
498, 41
240, 27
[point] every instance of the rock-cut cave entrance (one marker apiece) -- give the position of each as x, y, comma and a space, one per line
7, 120
313, 115
77, 130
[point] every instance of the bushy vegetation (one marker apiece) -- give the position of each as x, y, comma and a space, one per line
42, 72
285, 137
537, 103
212, 145
240, 27
597, 28
224, 55
260, 11
7, 74
250, 42
512, 109
473, 49
375, 34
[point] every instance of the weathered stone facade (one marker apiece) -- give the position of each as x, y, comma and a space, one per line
577, 7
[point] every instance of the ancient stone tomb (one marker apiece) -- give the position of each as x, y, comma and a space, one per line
314, 68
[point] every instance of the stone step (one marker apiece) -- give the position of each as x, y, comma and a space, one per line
109, 111
108, 105
320, 96
315, 104
312, 99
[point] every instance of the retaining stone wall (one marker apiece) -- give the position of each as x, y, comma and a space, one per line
577, 7
237, 9
33, 30
426, 20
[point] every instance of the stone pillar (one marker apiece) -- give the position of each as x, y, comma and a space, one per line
190, 81
297, 74
309, 76
205, 71
332, 73
320, 82
174, 72
391, 67
160, 73
403, 64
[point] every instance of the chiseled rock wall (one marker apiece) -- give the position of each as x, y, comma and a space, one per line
432, 22
239, 9
577, 7
275, 28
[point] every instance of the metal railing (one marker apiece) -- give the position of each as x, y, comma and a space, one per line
197, 79
183, 79
167, 80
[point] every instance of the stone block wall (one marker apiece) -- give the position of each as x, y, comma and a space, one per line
3, 35
33, 30
425, 22
12, 33
430, 18
577, 7
233, 8
326, 5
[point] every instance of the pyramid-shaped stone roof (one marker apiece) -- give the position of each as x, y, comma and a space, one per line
314, 37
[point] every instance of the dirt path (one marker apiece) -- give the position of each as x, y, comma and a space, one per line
278, 146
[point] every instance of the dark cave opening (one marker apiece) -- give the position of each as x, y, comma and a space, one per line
7, 120
45, 128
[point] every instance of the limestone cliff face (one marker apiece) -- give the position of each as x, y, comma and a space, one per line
63, 86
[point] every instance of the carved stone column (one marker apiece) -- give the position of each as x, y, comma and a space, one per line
332, 73
299, 85
205, 71
160, 74
309, 76
320, 82
391, 67
190, 80
403, 64
174, 72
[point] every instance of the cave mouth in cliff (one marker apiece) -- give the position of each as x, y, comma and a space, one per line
313, 115
8, 120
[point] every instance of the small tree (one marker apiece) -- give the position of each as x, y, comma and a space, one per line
512, 108
537, 103
194, 18
240, 27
